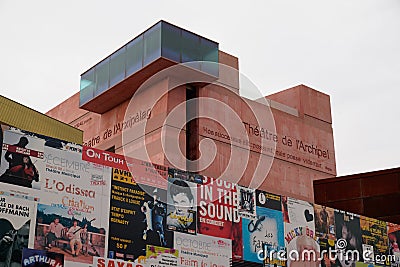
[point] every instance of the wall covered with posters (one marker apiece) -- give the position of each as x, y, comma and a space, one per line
62, 204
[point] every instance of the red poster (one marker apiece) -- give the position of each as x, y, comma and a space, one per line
217, 212
143, 172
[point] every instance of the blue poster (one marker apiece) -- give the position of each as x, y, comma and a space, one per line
41, 258
267, 229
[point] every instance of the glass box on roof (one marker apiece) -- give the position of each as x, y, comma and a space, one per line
162, 40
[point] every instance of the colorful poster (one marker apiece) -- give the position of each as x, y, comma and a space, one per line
16, 227
182, 209
393, 231
76, 236
161, 257
145, 172
247, 202
349, 239
328, 253
273, 257
237, 240
324, 222
75, 193
325, 231
105, 262
137, 217
300, 234
84, 210
218, 213
22, 158
375, 240
266, 230
41, 258
202, 250
272, 254
268, 200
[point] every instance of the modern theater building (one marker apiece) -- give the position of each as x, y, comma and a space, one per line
170, 156
146, 101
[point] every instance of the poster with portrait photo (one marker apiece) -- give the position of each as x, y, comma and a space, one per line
300, 232
21, 158
247, 202
16, 227
393, 231
181, 206
265, 230
324, 222
325, 231
328, 253
348, 235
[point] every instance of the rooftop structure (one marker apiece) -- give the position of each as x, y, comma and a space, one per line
115, 78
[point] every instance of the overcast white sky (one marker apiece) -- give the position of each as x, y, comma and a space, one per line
349, 49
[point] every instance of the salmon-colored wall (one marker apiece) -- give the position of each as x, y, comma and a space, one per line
142, 128
292, 170
68, 111
307, 101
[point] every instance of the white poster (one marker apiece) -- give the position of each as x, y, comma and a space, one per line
202, 250
300, 238
72, 216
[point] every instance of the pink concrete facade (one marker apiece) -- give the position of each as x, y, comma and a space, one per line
292, 146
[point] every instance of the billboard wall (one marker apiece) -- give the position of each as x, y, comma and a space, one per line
94, 208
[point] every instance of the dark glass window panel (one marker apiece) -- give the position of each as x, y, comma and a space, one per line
134, 55
209, 51
171, 42
191, 48
102, 76
87, 87
117, 67
152, 44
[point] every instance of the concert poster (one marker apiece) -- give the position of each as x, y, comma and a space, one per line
218, 214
